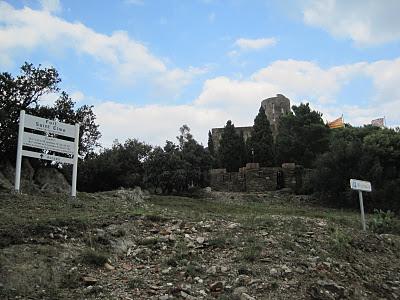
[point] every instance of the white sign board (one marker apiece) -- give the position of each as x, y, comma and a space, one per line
360, 185
59, 159
49, 126
46, 143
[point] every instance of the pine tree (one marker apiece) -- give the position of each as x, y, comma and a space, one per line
229, 151
260, 144
211, 148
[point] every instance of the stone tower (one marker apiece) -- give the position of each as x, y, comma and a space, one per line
274, 108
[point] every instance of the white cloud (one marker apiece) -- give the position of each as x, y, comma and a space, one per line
255, 44
211, 17
154, 124
29, 29
49, 99
223, 98
77, 96
135, 2
366, 22
51, 5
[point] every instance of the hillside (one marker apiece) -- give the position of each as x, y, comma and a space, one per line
223, 246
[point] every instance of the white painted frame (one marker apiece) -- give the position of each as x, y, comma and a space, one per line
68, 130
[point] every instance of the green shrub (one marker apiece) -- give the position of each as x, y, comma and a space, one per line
93, 257
382, 222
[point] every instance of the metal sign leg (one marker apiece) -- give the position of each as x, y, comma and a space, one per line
362, 210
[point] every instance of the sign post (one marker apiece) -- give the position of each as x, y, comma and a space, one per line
19, 151
361, 186
47, 143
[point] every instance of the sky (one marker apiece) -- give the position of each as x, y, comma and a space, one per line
150, 66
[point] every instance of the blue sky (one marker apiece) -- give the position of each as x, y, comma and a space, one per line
150, 66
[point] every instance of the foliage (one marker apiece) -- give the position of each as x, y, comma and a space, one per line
120, 166
302, 136
230, 151
365, 153
177, 167
25, 92
261, 141
94, 257
382, 222
210, 143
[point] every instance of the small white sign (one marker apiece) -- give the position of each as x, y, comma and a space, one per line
48, 143
360, 185
59, 159
50, 126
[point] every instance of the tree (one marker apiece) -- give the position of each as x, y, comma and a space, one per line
302, 136
366, 153
119, 166
24, 92
184, 136
261, 140
230, 150
210, 144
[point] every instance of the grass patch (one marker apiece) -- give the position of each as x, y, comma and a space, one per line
252, 250
339, 242
136, 283
94, 257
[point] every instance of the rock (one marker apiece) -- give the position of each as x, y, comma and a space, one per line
109, 267
232, 226
164, 297
245, 296
216, 286
286, 269
273, 272
52, 181
326, 290
239, 291
136, 195
88, 280
224, 269
5, 184
198, 279
200, 240
207, 189
212, 270
185, 295
8, 170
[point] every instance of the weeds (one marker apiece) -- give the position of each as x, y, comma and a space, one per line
252, 250
382, 222
340, 242
136, 283
93, 257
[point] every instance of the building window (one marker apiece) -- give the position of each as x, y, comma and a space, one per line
283, 111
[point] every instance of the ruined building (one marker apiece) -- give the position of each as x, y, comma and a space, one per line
252, 177
274, 108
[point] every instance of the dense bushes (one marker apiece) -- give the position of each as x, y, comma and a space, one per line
170, 169
366, 153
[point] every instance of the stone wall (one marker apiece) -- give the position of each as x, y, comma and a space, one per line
216, 134
252, 178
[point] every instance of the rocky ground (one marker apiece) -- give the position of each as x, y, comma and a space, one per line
128, 245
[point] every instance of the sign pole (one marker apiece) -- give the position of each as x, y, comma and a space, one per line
360, 196
19, 151
75, 165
